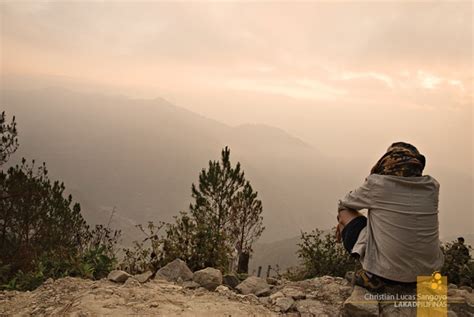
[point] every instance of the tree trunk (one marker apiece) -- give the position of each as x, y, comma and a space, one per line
243, 266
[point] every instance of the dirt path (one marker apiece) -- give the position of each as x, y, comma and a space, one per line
78, 297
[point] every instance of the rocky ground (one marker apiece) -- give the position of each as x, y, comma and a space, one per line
176, 291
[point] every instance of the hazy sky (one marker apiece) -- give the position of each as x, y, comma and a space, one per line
348, 78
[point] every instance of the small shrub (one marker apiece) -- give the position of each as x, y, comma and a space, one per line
458, 264
146, 254
321, 255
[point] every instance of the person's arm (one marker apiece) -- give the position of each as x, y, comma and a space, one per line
357, 199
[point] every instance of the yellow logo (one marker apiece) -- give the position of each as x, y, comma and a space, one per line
436, 282
431, 296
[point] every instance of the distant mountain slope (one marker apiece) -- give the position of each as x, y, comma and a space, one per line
280, 254
142, 156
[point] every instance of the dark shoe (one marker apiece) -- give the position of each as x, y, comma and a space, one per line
372, 283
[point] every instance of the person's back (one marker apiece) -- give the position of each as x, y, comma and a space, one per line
402, 228
399, 239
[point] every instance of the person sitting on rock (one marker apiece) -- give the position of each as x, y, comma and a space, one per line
399, 238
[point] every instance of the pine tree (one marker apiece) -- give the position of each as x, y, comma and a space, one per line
212, 210
8, 138
36, 220
225, 216
248, 224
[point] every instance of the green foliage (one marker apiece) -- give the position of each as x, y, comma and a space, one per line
43, 234
247, 224
146, 254
458, 264
321, 255
225, 215
8, 138
179, 241
212, 211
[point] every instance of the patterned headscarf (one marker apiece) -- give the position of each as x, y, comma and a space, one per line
401, 159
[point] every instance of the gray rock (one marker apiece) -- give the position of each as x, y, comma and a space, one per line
208, 278
230, 280
144, 277
118, 276
284, 303
358, 305
252, 285
174, 271
451, 285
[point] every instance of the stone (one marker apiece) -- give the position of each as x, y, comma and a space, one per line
230, 280
462, 305
118, 276
263, 292
326, 279
222, 289
190, 285
144, 277
466, 288
284, 303
264, 300
251, 298
358, 305
451, 285
293, 292
208, 278
349, 276
252, 285
131, 282
276, 295
174, 271
310, 307
272, 281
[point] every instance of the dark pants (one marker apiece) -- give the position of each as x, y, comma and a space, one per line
351, 232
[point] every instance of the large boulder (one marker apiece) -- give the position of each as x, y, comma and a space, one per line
360, 305
209, 278
253, 285
118, 276
175, 271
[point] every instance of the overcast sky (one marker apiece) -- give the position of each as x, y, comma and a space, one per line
348, 78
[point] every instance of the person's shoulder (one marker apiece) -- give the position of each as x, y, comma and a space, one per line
431, 179
425, 180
